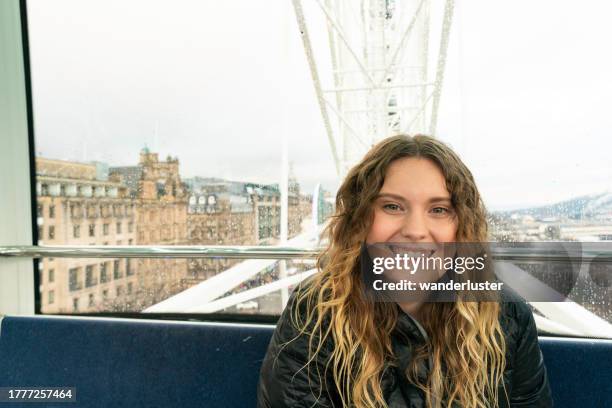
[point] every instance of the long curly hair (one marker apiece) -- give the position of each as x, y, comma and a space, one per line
465, 339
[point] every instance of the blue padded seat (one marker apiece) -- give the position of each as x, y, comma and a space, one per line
144, 363
134, 363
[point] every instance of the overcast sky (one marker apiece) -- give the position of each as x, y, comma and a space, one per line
525, 100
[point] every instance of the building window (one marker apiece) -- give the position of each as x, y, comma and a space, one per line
131, 227
130, 241
129, 288
105, 229
92, 230
90, 278
105, 294
44, 190
51, 275
75, 304
39, 210
91, 300
104, 272
116, 269
92, 211
52, 211
40, 232
118, 228
73, 279
51, 297
76, 231
128, 269
119, 290
51, 232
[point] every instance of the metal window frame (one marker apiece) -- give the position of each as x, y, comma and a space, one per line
18, 282
249, 252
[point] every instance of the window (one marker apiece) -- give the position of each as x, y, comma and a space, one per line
91, 300
92, 211
51, 275
105, 229
105, 294
39, 210
51, 211
51, 232
130, 241
76, 231
129, 288
73, 279
128, 268
90, 278
75, 304
51, 297
116, 269
104, 272
119, 290
527, 163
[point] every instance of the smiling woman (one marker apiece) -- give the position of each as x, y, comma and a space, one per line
335, 346
413, 204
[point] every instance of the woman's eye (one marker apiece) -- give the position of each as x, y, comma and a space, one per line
392, 207
440, 210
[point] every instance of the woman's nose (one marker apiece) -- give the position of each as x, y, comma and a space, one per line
414, 227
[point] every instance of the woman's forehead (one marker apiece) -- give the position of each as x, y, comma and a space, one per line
414, 175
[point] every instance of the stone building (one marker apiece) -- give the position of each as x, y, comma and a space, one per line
78, 205
146, 204
161, 219
222, 212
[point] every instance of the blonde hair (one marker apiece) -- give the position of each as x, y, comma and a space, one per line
466, 342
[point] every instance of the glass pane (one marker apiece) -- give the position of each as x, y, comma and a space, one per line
169, 134
141, 285
171, 130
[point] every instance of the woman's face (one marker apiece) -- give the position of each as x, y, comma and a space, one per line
413, 205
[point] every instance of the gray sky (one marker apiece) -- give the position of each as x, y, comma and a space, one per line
525, 99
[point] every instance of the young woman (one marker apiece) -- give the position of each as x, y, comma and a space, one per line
334, 347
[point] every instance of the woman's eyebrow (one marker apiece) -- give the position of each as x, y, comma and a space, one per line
439, 199
389, 195
400, 198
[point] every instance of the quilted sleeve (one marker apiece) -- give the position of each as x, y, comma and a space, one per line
530, 387
284, 381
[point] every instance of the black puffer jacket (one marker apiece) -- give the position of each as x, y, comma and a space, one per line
283, 384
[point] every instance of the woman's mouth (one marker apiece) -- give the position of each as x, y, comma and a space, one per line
412, 250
